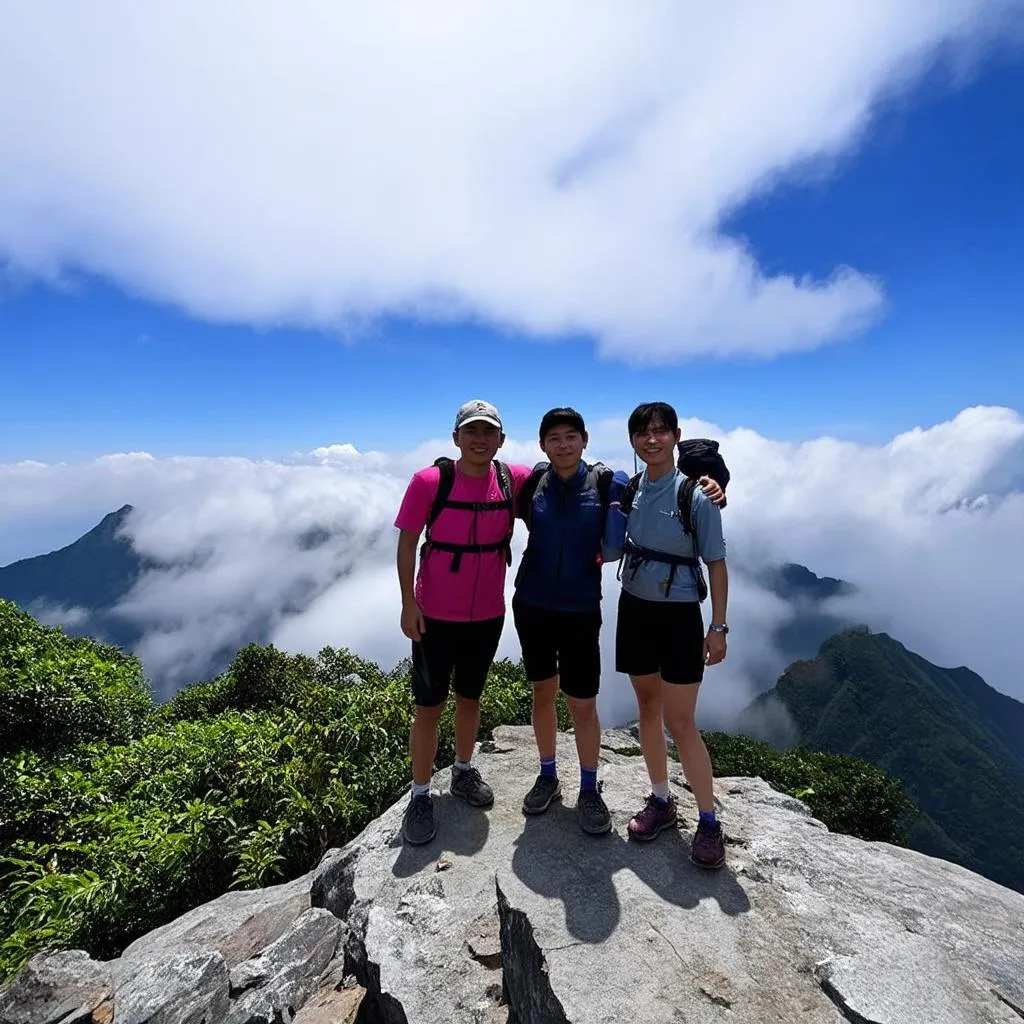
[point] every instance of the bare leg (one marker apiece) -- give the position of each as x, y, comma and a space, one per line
679, 703
423, 742
652, 729
545, 717
588, 730
467, 725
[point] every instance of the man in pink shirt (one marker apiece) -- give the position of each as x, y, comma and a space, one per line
453, 610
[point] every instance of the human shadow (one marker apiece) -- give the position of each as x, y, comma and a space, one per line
461, 829
555, 859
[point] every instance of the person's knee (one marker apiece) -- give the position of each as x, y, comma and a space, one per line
584, 712
680, 721
428, 715
466, 705
545, 693
648, 701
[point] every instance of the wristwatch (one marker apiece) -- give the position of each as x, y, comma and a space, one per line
718, 627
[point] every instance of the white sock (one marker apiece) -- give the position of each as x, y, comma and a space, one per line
461, 766
420, 789
661, 790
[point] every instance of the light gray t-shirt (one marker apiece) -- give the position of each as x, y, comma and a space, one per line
654, 523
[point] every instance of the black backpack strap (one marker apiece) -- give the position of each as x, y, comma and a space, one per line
524, 508
444, 489
604, 490
629, 494
689, 524
507, 489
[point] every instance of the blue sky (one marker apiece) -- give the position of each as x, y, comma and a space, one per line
928, 198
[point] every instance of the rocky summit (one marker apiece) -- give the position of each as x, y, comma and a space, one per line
520, 920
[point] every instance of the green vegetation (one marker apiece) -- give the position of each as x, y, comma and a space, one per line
118, 815
955, 744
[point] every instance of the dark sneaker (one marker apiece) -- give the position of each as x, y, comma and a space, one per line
656, 816
592, 812
466, 782
418, 824
708, 848
542, 792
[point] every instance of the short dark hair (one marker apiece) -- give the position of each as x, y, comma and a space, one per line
563, 416
643, 415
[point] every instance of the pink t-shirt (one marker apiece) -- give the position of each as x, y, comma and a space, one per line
477, 590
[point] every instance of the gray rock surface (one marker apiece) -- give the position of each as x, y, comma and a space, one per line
510, 920
59, 987
801, 924
238, 925
287, 973
184, 985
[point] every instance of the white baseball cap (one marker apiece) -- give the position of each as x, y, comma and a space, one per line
477, 411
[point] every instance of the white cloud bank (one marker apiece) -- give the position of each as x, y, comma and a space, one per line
551, 167
930, 526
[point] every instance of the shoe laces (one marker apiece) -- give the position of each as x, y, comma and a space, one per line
420, 806
471, 774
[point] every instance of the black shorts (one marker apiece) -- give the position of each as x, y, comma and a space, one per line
563, 644
453, 655
660, 636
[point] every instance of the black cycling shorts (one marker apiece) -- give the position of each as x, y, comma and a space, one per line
563, 644
453, 655
660, 636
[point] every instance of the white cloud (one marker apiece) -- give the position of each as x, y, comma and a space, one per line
930, 527
550, 167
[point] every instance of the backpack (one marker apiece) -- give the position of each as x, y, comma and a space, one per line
442, 500
537, 481
698, 457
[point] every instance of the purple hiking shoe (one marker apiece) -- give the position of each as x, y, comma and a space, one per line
655, 816
708, 848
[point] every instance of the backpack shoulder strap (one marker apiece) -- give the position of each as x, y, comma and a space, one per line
604, 489
685, 498
507, 489
444, 488
526, 494
629, 495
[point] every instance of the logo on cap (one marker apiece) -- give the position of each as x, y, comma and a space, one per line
478, 411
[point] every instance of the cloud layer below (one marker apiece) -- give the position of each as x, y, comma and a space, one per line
930, 527
553, 168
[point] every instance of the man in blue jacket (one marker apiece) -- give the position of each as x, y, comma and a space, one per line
557, 603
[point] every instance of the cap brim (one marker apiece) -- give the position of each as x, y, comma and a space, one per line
480, 419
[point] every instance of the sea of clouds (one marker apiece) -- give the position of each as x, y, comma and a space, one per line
929, 527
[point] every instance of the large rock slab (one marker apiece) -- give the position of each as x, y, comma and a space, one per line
272, 986
185, 985
529, 921
59, 988
238, 924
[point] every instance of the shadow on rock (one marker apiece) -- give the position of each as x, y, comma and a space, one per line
461, 830
555, 859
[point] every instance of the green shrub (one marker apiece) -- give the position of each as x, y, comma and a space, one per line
847, 794
241, 781
57, 692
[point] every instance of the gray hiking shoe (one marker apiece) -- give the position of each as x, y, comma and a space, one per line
466, 782
592, 812
543, 791
418, 823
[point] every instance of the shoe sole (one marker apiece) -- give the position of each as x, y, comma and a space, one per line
705, 866
472, 803
418, 842
556, 795
648, 836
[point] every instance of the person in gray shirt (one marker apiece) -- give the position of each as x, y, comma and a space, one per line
660, 640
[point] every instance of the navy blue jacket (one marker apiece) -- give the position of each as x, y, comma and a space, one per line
561, 568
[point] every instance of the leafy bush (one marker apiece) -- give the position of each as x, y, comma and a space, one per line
241, 781
847, 794
57, 692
